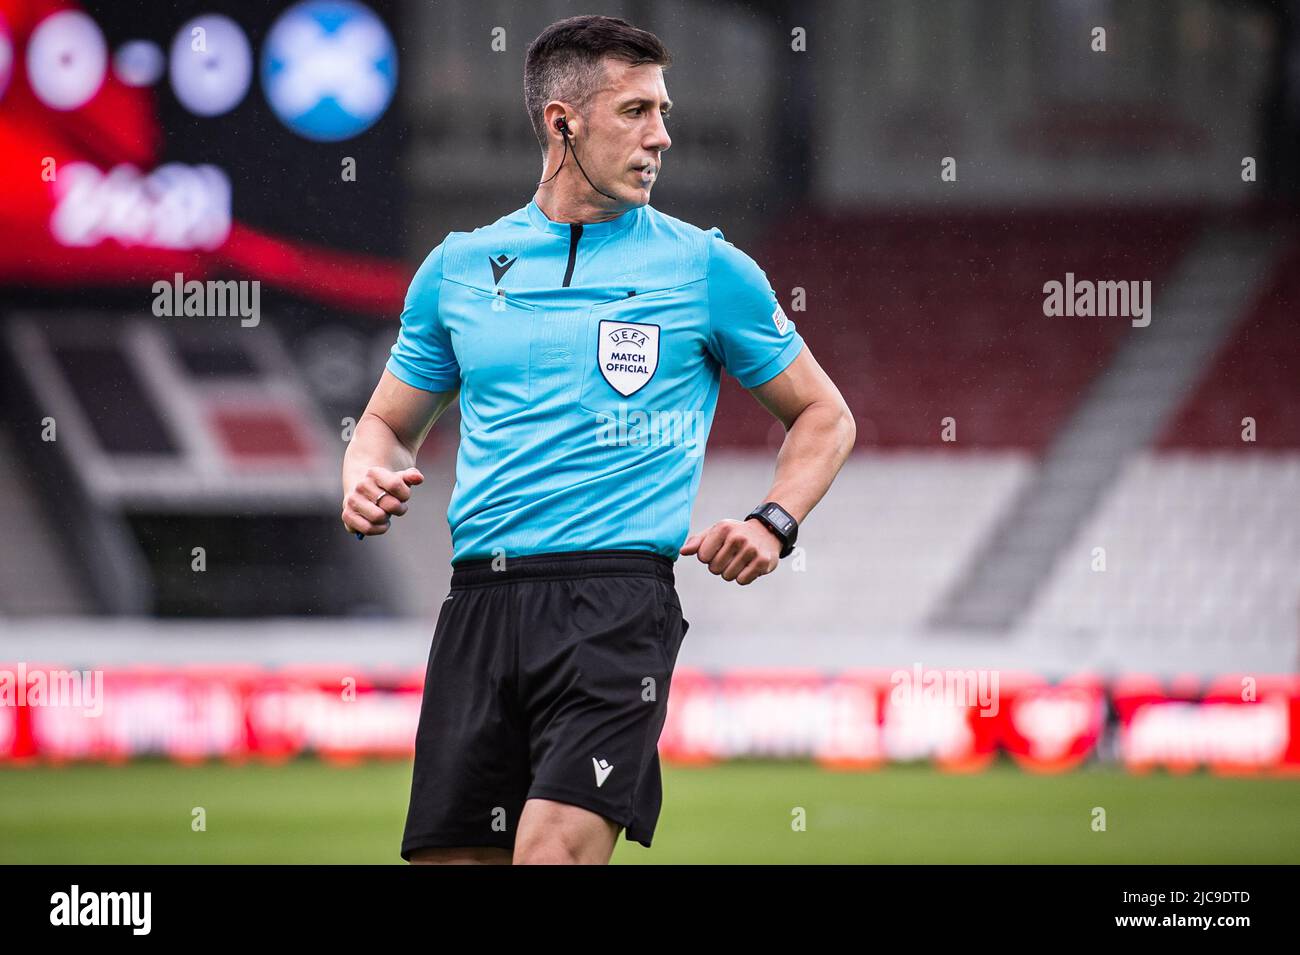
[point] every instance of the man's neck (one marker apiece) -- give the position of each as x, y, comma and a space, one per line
575, 202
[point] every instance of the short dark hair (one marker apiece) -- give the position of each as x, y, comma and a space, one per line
564, 62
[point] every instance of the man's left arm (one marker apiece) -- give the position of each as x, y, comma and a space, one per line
819, 437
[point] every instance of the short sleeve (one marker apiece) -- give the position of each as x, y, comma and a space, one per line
422, 356
749, 333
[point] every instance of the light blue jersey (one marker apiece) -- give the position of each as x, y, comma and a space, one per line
588, 358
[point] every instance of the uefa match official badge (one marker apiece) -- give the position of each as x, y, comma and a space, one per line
628, 354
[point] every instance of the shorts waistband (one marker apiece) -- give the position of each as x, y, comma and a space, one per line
585, 563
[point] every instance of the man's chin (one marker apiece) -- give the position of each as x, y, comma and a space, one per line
641, 196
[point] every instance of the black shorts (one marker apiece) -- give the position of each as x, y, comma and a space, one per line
548, 679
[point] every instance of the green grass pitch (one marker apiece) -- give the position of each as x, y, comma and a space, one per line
308, 811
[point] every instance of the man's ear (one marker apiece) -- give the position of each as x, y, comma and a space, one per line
556, 110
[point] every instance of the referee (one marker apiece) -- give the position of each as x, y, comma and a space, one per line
584, 335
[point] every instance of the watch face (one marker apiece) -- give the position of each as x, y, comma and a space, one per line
781, 519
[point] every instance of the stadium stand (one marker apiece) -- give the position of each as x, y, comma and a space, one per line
1201, 548
915, 316
1203, 534
1256, 374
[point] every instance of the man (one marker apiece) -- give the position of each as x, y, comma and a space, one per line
584, 334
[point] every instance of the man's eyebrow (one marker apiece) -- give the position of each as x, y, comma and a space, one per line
642, 101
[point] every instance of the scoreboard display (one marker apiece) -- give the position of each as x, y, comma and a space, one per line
136, 136
178, 145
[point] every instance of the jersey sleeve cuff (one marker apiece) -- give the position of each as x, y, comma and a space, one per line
778, 363
416, 380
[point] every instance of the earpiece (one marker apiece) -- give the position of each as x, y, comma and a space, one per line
562, 124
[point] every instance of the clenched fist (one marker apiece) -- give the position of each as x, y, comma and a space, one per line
741, 551
378, 497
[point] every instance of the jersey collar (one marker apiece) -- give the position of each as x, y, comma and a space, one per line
610, 226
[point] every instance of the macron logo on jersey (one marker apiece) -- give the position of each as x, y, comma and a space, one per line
500, 266
603, 769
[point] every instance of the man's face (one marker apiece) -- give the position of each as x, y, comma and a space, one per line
625, 131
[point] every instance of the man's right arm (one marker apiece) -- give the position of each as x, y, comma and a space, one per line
381, 455
420, 379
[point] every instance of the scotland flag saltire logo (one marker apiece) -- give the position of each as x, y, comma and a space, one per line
329, 69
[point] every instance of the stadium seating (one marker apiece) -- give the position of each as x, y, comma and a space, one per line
1202, 557
879, 550
1256, 374
920, 318
1201, 533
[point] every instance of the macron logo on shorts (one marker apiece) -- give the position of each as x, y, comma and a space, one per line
603, 769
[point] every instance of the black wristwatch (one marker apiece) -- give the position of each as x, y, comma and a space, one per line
779, 521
